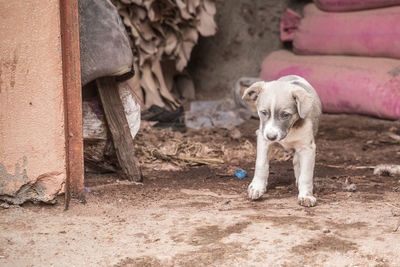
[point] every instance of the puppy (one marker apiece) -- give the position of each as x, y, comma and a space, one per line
289, 111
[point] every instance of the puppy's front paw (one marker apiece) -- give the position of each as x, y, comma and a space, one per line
256, 189
307, 201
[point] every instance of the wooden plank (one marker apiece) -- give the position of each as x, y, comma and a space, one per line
119, 128
72, 100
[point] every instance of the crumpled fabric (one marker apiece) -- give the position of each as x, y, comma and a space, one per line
104, 45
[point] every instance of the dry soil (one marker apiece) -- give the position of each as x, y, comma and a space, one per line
200, 215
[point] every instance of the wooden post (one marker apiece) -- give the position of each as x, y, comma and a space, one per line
72, 100
119, 128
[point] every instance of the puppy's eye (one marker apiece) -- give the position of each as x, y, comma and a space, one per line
285, 115
264, 113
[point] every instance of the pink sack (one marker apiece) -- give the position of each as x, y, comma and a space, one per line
363, 85
373, 32
351, 5
288, 25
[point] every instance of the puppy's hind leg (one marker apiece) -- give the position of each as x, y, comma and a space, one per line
260, 181
306, 157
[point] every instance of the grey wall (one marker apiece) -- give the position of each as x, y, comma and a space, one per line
247, 32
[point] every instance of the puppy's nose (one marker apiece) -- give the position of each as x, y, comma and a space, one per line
272, 136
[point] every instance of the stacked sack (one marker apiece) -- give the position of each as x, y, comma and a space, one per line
349, 50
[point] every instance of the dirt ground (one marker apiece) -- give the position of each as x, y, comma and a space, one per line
186, 215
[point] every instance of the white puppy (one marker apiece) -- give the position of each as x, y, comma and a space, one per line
289, 111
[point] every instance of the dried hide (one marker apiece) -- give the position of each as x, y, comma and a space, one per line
163, 34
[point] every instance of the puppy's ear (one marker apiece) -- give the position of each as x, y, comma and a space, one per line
304, 102
253, 91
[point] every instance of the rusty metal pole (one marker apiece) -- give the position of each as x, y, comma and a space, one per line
72, 100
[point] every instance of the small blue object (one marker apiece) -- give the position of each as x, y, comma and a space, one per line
240, 173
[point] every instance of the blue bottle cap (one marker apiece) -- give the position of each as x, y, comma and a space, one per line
240, 173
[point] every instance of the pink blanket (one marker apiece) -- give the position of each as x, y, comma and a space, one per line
346, 84
350, 5
374, 32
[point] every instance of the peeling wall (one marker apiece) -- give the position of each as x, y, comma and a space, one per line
32, 141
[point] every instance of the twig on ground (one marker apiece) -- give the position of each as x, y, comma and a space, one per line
397, 226
351, 167
200, 160
391, 205
394, 136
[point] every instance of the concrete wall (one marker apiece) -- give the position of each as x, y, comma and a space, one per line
247, 32
32, 142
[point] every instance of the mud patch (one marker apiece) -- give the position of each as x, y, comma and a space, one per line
211, 234
196, 204
284, 221
347, 226
144, 261
215, 255
324, 243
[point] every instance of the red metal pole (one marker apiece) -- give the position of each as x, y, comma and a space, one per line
72, 100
